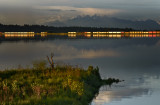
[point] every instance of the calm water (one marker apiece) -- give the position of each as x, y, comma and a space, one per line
137, 61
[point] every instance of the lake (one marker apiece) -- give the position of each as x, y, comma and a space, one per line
137, 61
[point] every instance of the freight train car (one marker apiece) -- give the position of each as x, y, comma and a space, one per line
115, 34
95, 34
88, 34
19, 34
107, 34
43, 34
72, 34
102, 34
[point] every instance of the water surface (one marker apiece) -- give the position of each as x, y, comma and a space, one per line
134, 60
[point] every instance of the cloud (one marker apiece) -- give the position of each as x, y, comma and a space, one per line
44, 14
83, 11
17, 15
65, 9
62, 13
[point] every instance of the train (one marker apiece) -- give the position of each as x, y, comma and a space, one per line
22, 34
109, 34
115, 34
19, 34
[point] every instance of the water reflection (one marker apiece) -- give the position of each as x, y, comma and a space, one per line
145, 93
108, 96
134, 60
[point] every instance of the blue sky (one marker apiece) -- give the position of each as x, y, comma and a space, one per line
51, 10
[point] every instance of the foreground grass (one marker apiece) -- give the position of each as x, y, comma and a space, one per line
65, 85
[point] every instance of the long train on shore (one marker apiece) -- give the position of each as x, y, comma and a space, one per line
131, 34
114, 34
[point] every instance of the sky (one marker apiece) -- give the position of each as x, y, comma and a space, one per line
42, 11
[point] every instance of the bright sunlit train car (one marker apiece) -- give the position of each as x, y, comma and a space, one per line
158, 33
150, 34
107, 34
19, 34
43, 34
122, 34
118, 34
95, 34
72, 34
139, 34
132, 33
7, 34
110, 34
102, 34
126, 34
136, 32
88, 34
154, 34
146, 33
114, 34
142, 34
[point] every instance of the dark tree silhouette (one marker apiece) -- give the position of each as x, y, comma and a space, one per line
42, 28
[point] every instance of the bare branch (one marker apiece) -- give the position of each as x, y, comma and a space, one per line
50, 60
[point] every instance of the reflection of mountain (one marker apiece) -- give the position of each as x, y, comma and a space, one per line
104, 21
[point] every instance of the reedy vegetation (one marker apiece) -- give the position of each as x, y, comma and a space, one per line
41, 85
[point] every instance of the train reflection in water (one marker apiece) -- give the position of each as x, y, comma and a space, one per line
114, 34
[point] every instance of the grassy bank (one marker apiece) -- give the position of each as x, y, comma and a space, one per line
61, 85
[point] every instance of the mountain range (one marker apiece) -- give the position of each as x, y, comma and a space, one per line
105, 21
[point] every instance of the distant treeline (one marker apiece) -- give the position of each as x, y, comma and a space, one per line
42, 28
